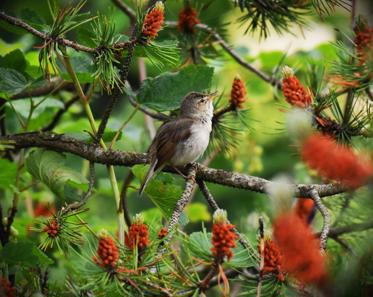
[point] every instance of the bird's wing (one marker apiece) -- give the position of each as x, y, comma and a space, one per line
168, 136
164, 145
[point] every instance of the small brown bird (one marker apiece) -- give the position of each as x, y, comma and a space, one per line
184, 139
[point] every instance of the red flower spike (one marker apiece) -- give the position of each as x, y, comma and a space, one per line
44, 210
238, 93
334, 161
187, 20
138, 235
295, 93
52, 228
304, 209
107, 252
364, 42
272, 260
6, 288
162, 233
300, 250
153, 21
223, 237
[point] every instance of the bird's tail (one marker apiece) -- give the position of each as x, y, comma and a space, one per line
148, 176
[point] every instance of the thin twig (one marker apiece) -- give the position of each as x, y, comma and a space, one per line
326, 216
338, 231
61, 41
261, 257
233, 53
213, 204
126, 9
123, 197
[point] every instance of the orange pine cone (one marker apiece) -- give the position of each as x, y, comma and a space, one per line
304, 209
162, 233
272, 259
294, 92
107, 252
138, 235
153, 21
223, 237
334, 161
6, 288
300, 249
364, 42
187, 20
238, 93
52, 228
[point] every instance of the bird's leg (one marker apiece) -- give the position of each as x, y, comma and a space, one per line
178, 171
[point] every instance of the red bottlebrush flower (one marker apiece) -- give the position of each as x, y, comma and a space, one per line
364, 41
295, 93
238, 93
44, 210
162, 233
153, 21
138, 235
107, 252
300, 250
223, 237
52, 228
334, 161
304, 209
6, 288
187, 20
272, 259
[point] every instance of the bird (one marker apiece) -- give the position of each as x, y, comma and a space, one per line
184, 139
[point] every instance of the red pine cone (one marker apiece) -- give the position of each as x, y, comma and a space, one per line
162, 233
272, 259
107, 252
137, 236
187, 20
295, 93
153, 21
223, 240
300, 249
238, 93
334, 161
364, 42
44, 210
6, 288
52, 228
304, 209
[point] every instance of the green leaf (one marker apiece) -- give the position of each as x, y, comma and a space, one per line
48, 167
7, 173
83, 68
11, 82
200, 245
24, 254
165, 92
161, 190
197, 212
14, 60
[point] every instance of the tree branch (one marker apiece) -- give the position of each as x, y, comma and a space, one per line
338, 231
94, 153
326, 216
62, 41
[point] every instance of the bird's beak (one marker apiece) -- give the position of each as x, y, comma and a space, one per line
212, 96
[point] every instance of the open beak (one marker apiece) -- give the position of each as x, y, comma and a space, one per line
213, 95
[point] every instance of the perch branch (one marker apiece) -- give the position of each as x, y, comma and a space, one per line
61, 41
326, 216
94, 153
338, 231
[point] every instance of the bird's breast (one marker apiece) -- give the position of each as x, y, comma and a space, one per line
194, 146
